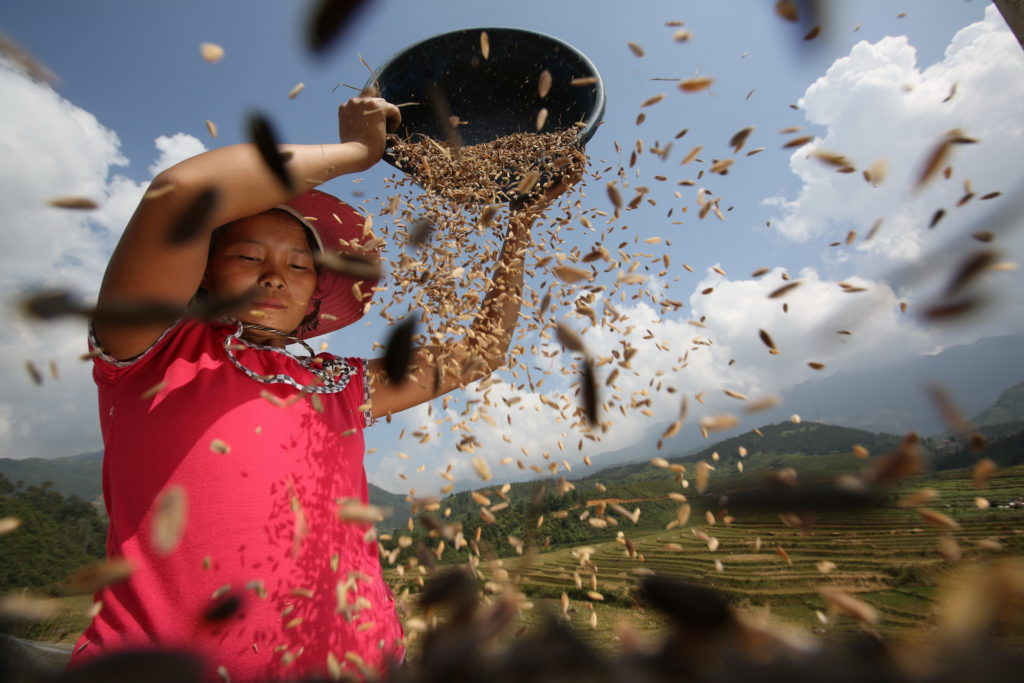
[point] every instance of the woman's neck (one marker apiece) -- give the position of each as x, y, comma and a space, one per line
264, 336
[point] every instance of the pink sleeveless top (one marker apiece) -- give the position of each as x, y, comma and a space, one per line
263, 469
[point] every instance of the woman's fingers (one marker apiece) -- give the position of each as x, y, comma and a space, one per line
367, 106
367, 120
392, 116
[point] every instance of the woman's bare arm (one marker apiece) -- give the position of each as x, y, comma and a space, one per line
147, 266
435, 370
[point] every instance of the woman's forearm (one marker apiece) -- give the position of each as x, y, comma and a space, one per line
245, 184
496, 322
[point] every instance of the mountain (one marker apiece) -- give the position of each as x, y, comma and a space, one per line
1005, 450
550, 510
890, 399
76, 475
778, 445
1008, 409
813, 448
81, 475
394, 505
55, 535
538, 509
893, 399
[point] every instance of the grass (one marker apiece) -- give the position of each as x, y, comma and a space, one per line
65, 627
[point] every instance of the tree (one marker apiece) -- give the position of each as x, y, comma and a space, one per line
57, 536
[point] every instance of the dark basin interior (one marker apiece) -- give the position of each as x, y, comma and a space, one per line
497, 96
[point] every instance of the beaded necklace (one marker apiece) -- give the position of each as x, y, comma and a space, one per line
333, 375
279, 333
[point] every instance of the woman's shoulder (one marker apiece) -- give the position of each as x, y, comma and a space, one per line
180, 336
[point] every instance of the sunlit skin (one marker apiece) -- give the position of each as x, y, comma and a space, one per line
270, 252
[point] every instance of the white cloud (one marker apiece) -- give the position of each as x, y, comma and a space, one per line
804, 325
877, 103
672, 358
53, 148
175, 148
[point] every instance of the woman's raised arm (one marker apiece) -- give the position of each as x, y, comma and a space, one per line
149, 265
435, 370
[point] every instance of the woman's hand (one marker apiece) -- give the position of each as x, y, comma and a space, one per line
367, 121
566, 177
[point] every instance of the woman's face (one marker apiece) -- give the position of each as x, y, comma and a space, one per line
270, 252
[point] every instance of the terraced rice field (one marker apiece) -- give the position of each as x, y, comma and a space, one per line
887, 556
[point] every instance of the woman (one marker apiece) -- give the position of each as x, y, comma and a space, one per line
262, 448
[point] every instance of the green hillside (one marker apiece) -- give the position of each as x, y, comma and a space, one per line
885, 556
1001, 424
774, 447
1008, 408
394, 505
77, 475
1005, 417
816, 451
57, 535
81, 476
1004, 451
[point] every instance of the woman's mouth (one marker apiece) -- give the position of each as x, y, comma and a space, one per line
269, 303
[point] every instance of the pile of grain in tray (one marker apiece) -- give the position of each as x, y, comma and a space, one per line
477, 174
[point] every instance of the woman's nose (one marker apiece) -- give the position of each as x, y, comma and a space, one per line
271, 278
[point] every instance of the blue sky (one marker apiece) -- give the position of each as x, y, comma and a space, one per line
136, 66
870, 87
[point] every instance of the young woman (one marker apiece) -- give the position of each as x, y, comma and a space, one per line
260, 447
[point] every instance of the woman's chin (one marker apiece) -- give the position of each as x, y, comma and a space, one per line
276, 320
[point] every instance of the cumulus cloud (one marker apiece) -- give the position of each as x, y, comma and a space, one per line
175, 148
672, 358
877, 103
55, 148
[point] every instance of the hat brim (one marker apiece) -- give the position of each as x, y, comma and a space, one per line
339, 299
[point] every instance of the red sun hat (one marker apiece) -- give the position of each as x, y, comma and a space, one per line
338, 299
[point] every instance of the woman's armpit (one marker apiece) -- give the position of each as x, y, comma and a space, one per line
110, 369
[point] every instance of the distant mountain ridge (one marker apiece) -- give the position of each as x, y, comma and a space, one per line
893, 399
82, 475
1008, 409
890, 399
782, 439
76, 475
394, 506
